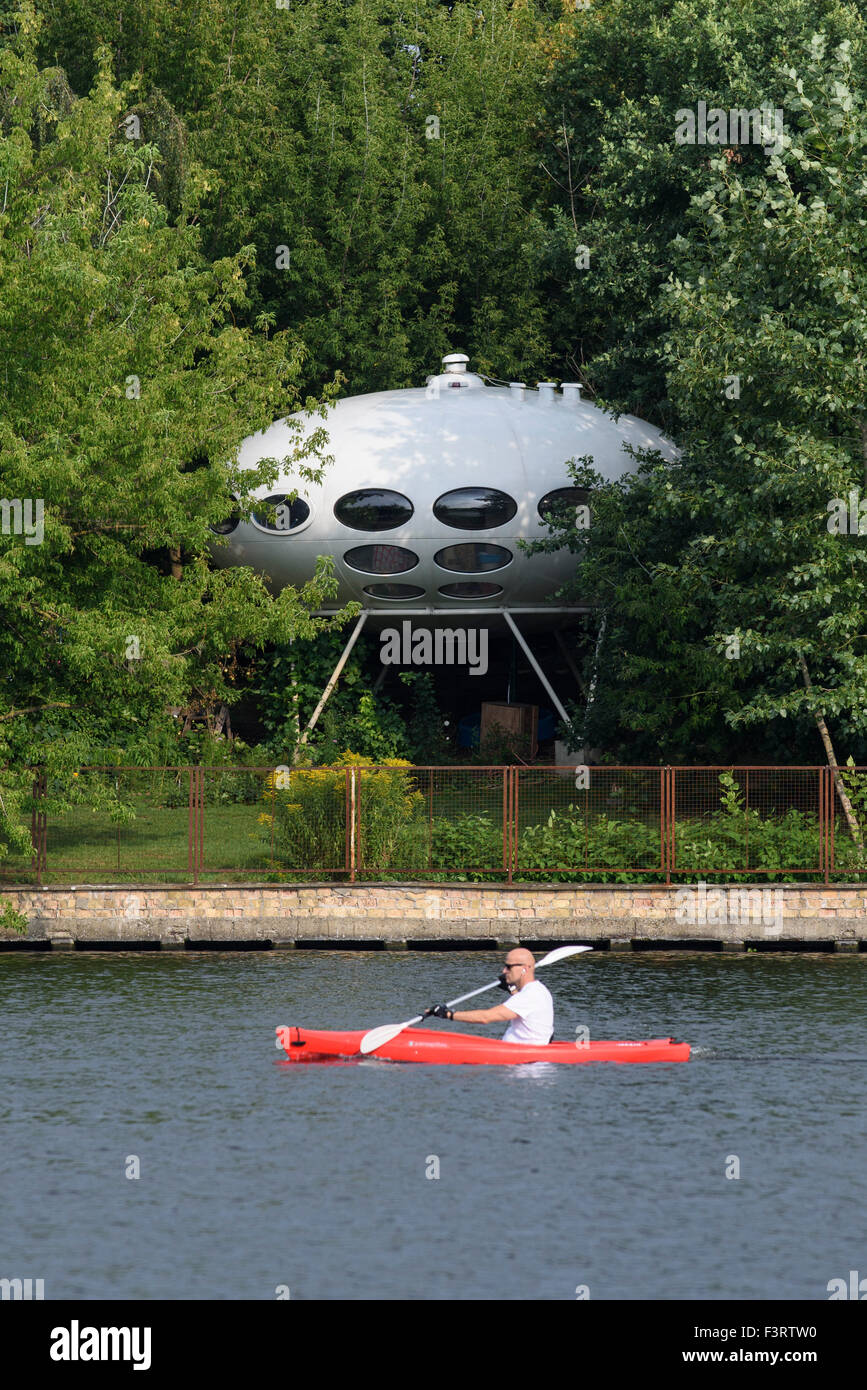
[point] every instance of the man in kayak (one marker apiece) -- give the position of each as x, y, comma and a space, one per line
530, 1011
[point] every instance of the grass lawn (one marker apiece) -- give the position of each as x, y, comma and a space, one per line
153, 848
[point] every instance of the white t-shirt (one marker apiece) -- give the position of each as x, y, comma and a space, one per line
535, 1009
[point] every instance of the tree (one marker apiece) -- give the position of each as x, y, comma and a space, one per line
740, 563
125, 390
767, 361
379, 159
618, 182
656, 690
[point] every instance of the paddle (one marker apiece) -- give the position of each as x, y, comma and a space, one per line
378, 1037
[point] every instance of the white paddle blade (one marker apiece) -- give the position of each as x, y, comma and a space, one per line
378, 1037
560, 954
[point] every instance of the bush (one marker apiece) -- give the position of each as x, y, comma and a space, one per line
308, 818
12, 919
470, 843
610, 849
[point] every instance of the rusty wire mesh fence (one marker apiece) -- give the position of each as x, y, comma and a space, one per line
121, 824
398, 822
770, 821
847, 824
588, 822
432, 822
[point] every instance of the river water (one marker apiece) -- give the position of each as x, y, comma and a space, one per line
257, 1175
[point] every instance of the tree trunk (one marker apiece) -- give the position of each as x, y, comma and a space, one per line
825, 736
296, 704
175, 558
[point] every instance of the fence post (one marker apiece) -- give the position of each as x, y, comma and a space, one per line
665, 797
34, 833
830, 820
190, 826
38, 825
507, 823
201, 863
513, 847
352, 820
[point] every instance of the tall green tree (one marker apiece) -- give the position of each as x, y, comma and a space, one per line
380, 159
619, 184
125, 389
768, 366
734, 579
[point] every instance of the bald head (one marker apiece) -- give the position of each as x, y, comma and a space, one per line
520, 967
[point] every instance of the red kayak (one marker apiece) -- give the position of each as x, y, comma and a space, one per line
424, 1045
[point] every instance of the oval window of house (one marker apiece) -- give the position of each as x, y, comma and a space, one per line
280, 514
474, 508
559, 505
472, 590
225, 528
381, 559
473, 557
399, 592
373, 509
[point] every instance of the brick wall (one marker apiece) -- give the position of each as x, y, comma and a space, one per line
394, 913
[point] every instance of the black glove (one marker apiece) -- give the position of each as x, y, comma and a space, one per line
439, 1011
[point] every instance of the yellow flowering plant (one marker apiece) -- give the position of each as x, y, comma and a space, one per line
307, 811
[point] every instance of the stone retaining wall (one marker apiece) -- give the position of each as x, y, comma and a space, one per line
618, 915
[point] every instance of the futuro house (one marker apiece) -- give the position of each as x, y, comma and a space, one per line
430, 490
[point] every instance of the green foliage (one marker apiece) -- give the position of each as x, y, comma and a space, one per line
573, 845
12, 920
471, 844
309, 126
620, 185
126, 388
735, 836
16, 787
855, 783
730, 603
772, 286
306, 819
660, 692
289, 680
154, 259
375, 727
289, 683
570, 840
425, 729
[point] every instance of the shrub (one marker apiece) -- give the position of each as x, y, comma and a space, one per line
599, 849
308, 818
470, 844
12, 919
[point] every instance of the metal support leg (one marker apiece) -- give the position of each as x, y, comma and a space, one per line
536, 667
335, 677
